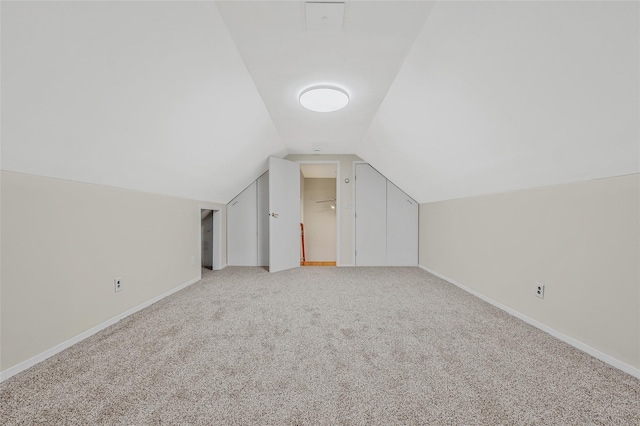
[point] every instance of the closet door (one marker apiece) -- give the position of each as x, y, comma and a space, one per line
402, 228
242, 228
371, 216
263, 220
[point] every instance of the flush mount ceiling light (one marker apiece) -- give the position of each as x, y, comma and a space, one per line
324, 98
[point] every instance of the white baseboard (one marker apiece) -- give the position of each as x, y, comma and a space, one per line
9, 372
558, 335
346, 265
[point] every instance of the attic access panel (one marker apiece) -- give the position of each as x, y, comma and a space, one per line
324, 17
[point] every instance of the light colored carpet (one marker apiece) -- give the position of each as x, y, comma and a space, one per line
321, 346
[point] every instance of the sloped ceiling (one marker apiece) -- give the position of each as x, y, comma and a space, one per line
151, 96
448, 99
499, 96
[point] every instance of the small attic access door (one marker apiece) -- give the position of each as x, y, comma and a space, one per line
284, 216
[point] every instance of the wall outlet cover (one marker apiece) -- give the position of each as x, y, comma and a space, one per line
540, 290
117, 284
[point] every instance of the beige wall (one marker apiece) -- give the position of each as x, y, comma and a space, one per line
346, 199
581, 240
64, 242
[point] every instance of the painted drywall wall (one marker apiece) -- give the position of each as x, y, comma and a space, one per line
345, 203
64, 242
580, 240
319, 220
301, 197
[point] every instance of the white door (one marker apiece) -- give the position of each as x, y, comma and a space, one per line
371, 217
402, 228
284, 220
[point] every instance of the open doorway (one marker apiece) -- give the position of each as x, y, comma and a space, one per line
210, 243
318, 213
206, 240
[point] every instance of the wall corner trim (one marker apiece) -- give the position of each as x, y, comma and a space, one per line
569, 340
12, 371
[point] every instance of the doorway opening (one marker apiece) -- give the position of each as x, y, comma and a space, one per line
210, 249
319, 213
206, 240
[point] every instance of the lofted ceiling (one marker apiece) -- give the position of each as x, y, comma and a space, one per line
283, 58
448, 99
500, 96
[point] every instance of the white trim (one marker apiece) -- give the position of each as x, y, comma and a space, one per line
347, 265
9, 372
558, 335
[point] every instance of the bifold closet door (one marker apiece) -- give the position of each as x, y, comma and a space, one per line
371, 216
242, 228
402, 228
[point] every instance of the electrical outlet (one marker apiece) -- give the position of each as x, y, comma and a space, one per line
117, 284
540, 290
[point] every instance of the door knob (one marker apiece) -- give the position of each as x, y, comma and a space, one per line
274, 215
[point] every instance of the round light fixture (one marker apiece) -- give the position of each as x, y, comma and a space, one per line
324, 98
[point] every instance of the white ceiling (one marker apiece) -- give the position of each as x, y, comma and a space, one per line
450, 99
283, 59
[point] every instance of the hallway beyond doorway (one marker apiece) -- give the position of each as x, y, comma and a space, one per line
304, 263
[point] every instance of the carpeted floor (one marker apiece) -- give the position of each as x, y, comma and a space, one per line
321, 346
